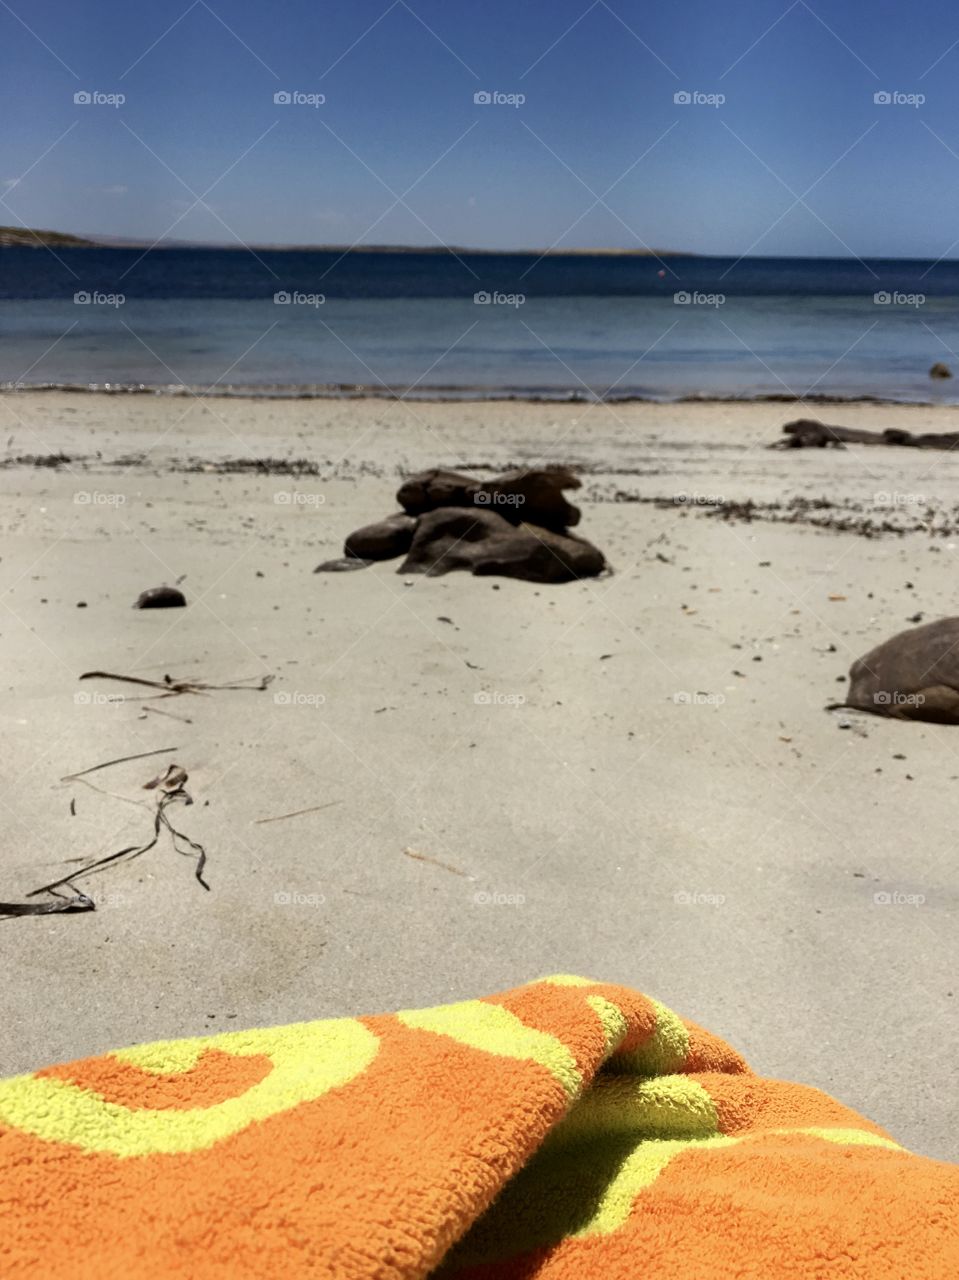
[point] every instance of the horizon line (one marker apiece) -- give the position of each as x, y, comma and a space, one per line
34, 237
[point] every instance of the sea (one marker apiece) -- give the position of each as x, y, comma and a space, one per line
459, 324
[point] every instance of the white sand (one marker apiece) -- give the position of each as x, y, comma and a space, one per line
582, 793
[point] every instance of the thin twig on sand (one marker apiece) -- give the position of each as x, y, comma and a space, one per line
170, 687
161, 751
158, 711
296, 813
425, 857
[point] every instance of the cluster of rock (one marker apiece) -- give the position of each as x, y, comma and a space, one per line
808, 433
516, 525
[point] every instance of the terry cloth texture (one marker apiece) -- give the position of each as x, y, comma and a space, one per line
566, 1129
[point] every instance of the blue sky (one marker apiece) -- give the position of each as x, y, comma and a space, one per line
599, 82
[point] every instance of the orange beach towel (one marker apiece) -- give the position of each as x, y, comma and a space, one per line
565, 1129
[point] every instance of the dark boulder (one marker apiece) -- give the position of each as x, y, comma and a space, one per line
484, 542
532, 495
383, 540
936, 440
809, 433
160, 598
912, 676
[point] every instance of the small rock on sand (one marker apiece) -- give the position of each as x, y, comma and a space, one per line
160, 598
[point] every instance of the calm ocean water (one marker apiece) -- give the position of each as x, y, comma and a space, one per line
619, 327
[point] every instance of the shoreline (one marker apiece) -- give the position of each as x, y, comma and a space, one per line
449, 395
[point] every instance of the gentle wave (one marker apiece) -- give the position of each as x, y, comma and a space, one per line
531, 395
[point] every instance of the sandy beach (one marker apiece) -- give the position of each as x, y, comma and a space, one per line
633, 778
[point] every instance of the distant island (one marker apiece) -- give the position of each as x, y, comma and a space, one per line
26, 237
30, 238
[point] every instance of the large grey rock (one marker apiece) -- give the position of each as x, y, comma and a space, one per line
912, 676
